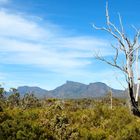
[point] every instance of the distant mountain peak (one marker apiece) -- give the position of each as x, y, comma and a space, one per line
98, 83
72, 89
72, 82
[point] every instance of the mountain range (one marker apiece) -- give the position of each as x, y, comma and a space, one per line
73, 90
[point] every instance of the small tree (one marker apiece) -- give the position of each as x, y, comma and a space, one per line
130, 51
30, 100
14, 98
2, 93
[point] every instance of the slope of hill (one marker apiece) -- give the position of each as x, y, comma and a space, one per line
78, 90
37, 91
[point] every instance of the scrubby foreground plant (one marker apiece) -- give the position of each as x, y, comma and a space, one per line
54, 119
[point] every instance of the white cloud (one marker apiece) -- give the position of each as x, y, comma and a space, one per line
16, 26
24, 41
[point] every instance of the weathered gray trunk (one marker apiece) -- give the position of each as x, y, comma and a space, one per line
134, 103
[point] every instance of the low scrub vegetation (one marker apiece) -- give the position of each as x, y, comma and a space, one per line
29, 118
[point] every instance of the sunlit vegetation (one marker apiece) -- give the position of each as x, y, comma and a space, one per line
29, 118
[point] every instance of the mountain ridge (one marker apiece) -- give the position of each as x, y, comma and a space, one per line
72, 89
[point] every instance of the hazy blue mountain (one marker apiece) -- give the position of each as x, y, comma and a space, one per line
69, 90
37, 91
73, 90
78, 90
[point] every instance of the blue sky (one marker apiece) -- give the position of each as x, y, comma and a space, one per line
47, 42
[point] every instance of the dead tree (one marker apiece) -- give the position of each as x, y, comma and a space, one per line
130, 50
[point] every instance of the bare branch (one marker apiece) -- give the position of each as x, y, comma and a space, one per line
110, 32
136, 36
107, 16
110, 24
134, 28
120, 19
121, 34
120, 82
114, 64
116, 55
132, 51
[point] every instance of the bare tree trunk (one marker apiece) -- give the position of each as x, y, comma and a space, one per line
131, 83
134, 103
137, 76
111, 100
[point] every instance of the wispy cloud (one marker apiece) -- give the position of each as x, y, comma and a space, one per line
14, 25
46, 46
26, 40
